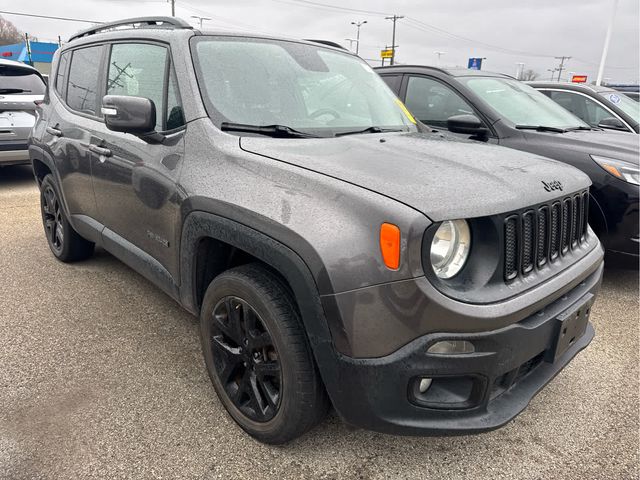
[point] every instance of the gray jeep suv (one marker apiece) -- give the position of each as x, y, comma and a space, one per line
336, 251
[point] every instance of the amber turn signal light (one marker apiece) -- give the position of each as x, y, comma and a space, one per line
390, 245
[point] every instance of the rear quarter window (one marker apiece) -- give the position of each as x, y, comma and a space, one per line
82, 89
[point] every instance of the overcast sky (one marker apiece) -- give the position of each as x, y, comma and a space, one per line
531, 32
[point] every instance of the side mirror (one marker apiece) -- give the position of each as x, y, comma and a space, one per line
136, 115
612, 123
468, 125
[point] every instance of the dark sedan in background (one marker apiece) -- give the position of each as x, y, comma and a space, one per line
601, 107
496, 108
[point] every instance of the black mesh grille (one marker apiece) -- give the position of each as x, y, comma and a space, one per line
577, 220
585, 215
535, 237
566, 225
543, 219
528, 242
556, 230
510, 249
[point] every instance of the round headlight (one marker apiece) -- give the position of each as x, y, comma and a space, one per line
450, 248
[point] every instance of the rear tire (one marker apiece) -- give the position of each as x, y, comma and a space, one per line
258, 356
65, 243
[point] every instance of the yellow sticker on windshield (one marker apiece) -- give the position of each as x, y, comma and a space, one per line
406, 111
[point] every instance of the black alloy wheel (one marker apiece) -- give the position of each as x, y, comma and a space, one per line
245, 358
52, 218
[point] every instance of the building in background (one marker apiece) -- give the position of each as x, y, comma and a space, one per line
38, 55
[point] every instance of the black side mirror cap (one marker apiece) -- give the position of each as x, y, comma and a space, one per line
468, 125
612, 123
135, 115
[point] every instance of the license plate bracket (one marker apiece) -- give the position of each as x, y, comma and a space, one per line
571, 325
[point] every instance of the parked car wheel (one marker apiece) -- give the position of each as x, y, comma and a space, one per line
258, 356
65, 243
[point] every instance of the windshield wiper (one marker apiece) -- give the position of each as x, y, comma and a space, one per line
13, 90
541, 128
278, 131
372, 129
573, 129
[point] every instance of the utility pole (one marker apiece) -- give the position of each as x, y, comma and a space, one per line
439, 54
607, 39
173, 7
358, 25
552, 70
561, 67
28, 45
200, 19
395, 18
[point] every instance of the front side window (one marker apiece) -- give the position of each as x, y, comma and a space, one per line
60, 83
521, 104
433, 102
581, 106
305, 87
82, 89
139, 70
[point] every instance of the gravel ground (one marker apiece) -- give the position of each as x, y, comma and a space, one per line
101, 376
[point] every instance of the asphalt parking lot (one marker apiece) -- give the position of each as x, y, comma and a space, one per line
101, 376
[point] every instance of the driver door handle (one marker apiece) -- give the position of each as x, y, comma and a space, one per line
103, 152
54, 131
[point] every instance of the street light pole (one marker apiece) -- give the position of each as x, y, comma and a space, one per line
201, 19
607, 39
562, 60
173, 7
358, 25
439, 54
395, 18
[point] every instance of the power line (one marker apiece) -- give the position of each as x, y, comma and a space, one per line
67, 19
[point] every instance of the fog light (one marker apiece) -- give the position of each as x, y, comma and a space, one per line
425, 383
451, 347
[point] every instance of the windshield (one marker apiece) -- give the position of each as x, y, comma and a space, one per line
20, 80
521, 104
305, 87
624, 103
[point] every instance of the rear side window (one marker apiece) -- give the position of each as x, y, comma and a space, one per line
20, 81
393, 81
82, 89
582, 107
60, 83
139, 70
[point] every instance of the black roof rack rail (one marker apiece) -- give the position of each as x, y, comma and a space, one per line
326, 42
166, 22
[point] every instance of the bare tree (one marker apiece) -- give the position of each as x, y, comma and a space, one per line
9, 33
529, 75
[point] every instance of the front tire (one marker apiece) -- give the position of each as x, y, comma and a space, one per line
65, 243
258, 356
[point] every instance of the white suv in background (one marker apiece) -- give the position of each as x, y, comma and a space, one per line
20, 87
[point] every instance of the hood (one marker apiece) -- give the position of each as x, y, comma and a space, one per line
618, 145
440, 177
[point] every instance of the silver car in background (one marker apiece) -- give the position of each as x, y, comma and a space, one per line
20, 87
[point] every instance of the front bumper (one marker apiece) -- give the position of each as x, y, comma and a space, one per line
509, 367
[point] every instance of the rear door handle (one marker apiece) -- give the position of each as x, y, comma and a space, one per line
54, 131
101, 151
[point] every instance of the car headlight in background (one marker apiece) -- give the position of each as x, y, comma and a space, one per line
619, 168
450, 248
